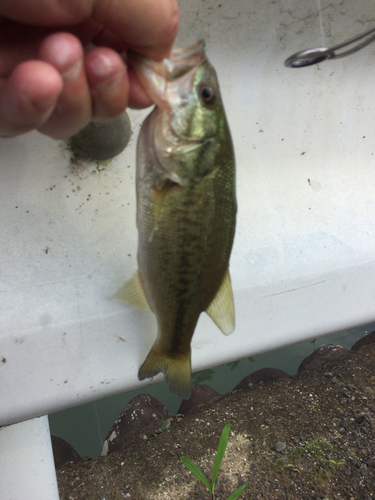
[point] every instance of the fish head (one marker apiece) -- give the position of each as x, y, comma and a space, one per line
189, 121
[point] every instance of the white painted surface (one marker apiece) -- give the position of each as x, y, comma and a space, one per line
27, 469
303, 262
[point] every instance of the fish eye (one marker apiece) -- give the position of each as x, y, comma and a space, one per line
207, 94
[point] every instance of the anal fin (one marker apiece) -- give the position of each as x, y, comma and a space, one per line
132, 293
221, 309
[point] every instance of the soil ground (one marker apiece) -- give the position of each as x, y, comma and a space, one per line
308, 437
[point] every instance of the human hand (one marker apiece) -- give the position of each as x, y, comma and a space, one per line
60, 62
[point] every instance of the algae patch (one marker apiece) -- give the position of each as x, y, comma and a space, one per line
314, 458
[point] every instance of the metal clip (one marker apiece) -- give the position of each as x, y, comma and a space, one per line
313, 56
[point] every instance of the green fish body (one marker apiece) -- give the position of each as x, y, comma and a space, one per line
186, 210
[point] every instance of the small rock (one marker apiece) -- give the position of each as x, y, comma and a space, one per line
261, 376
280, 446
139, 420
201, 395
63, 452
366, 340
320, 355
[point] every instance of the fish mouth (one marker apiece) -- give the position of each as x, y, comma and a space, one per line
182, 60
155, 76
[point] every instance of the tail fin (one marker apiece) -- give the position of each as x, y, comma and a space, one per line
177, 370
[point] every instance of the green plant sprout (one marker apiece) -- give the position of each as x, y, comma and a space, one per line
215, 469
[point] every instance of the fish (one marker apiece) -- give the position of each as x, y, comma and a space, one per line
186, 210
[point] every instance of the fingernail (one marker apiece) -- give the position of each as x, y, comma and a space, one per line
73, 72
103, 72
102, 67
111, 81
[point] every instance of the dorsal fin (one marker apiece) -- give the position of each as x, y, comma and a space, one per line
221, 309
132, 293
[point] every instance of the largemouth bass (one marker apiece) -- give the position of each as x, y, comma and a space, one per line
186, 210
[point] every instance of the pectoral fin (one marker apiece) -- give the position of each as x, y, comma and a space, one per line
132, 293
221, 309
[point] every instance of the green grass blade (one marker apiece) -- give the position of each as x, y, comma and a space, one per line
220, 453
236, 494
197, 472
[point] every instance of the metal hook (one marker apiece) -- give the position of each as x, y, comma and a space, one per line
313, 56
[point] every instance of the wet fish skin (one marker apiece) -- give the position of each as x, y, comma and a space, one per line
186, 210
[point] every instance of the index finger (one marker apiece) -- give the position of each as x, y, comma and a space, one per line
146, 26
